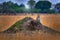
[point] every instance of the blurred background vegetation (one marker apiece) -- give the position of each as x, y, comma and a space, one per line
39, 7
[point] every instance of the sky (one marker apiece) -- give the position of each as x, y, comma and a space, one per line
25, 1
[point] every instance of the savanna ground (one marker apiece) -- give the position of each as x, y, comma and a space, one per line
24, 35
34, 35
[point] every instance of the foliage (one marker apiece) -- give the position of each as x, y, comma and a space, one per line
10, 7
57, 7
43, 5
39, 7
31, 4
35, 10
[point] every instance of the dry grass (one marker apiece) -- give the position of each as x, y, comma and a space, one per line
48, 20
35, 35
51, 21
6, 21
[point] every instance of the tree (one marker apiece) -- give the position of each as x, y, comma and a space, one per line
43, 5
1, 8
22, 8
6, 7
57, 7
22, 5
11, 8
31, 4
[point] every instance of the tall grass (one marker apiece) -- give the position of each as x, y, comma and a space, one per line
34, 35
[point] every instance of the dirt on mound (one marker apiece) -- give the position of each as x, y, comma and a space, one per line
26, 23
